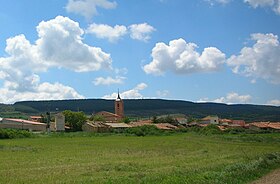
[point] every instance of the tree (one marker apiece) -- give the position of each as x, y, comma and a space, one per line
126, 120
97, 118
154, 119
168, 119
74, 119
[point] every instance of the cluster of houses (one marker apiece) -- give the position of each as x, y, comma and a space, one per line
113, 121
224, 124
108, 121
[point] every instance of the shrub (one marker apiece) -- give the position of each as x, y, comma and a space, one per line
144, 130
235, 130
13, 133
210, 129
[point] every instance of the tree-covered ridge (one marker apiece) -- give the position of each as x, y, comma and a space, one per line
152, 107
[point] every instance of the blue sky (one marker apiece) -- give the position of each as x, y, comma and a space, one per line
206, 50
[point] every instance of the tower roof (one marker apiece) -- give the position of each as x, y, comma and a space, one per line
118, 98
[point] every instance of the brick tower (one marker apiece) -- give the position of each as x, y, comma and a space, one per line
119, 108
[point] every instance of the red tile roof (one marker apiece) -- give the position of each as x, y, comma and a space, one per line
165, 126
141, 123
107, 113
274, 125
225, 120
24, 121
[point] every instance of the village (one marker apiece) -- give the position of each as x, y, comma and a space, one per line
107, 121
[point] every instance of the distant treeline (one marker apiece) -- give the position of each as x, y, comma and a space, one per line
151, 107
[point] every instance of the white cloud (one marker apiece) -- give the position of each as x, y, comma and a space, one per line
259, 61
274, 102
59, 45
231, 98
273, 4
44, 91
130, 94
141, 32
88, 8
104, 31
182, 58
163, 93
108, 80
212, 2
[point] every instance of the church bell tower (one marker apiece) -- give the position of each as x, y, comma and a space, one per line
119, 107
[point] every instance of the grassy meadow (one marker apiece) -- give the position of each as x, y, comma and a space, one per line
178, 158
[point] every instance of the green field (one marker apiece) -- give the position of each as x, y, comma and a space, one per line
178, 158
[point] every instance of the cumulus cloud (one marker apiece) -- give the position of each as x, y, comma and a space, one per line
141, 32
273, 4
259, 61
129, 94
230, 98
108, 80
88, 8
104, 31
59, 45
274, 102
182, 58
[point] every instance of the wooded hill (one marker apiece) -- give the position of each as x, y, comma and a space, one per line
151, 107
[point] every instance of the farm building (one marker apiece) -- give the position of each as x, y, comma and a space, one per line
23, 124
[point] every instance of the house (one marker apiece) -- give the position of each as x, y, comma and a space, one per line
118, 126
23, 124
238, 122
39, 119
96, 126
99, 126
225, 122
210, 120
275, 126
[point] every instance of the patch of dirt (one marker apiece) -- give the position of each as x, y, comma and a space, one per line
271, 178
